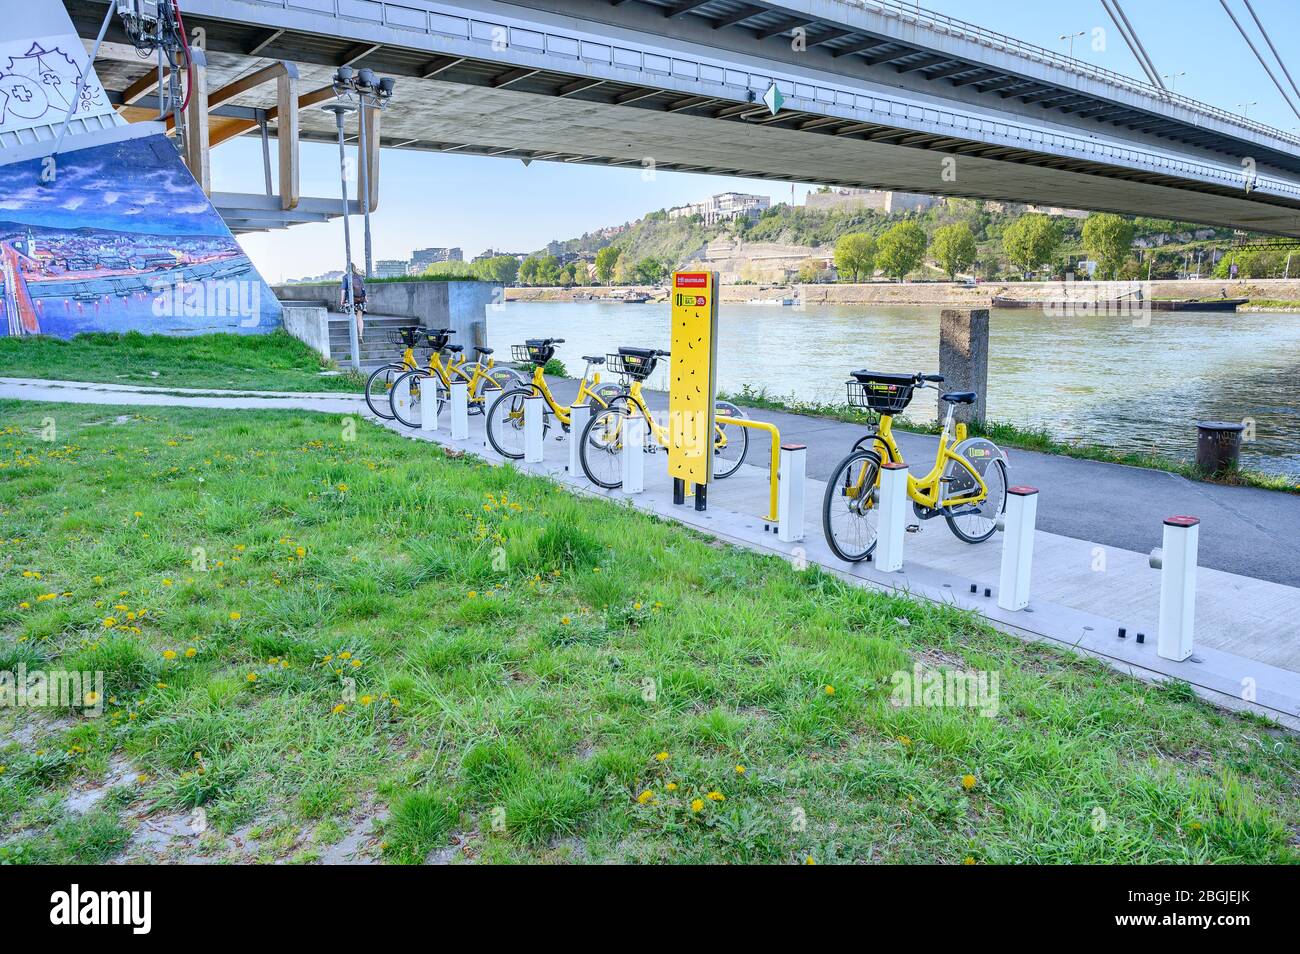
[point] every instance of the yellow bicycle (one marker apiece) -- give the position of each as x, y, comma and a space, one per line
430, 388
505, 418
601, 451
967, 485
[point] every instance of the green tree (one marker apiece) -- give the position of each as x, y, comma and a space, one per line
1031, 241
901, 249
548, 270
606, 260
528, 270
1108, 238
650, 271
498, 268
954, 248
855, 255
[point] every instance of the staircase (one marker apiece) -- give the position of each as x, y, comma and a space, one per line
376, 349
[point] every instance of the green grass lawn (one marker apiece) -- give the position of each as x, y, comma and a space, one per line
269, 362
323, 634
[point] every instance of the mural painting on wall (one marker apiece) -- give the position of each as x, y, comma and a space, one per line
122, 239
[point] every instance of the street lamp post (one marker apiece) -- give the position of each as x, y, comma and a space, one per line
1173, 78
340, 110
1245, 108
1071, 37
369, 92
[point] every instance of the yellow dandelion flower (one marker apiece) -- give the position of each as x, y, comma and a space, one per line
810, 860
716, 796
345, 655
830, 690
968, 782
356, 664
24, 605
671, 786
473, 594
252, 677
110, 622
191, 653
636, 606
661, 757
697, 805
740, 770
366, 700
646, 797
968, 860
339, 709
565, 620
169, 654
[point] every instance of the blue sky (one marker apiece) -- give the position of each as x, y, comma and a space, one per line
430, 199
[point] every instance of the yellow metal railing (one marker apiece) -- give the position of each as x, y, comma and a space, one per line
776, 453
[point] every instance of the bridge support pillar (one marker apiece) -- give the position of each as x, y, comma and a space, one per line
964, 358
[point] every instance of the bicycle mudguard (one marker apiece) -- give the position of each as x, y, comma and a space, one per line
980, 453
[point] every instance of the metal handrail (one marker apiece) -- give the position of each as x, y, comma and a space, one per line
1009, 44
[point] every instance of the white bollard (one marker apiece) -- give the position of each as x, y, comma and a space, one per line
534, 429
491, 391
634, 432
579, 416
1178, 587
460, 410
1017, 547
893, 517
429, 404
402, 395
789, 492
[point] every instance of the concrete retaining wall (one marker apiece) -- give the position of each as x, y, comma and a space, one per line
458, 305
309, 323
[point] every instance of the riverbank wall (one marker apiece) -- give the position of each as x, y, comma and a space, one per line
939, 293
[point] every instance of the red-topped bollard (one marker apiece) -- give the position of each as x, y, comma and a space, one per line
1176, 560
1017, 547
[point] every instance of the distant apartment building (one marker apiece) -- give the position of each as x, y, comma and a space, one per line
877, 200
422, 258
724, 207
390, 268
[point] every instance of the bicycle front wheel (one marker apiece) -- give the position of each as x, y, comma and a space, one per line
505, 423
378, 387
602, 448
730, 441
851, 507
423, 397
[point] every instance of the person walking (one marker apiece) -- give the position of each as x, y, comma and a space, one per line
357, 282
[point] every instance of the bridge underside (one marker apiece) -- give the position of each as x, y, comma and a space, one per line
479, 107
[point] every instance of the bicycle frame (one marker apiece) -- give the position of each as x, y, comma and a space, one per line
927, 490
585, 393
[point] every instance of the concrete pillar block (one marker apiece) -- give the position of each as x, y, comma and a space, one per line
893, 517
1178, 587
1017, 547
634, 436
534, 429
579, 417
789, 492
964, 358
459, 410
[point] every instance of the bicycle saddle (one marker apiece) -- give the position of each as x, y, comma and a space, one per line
959, 397
482, 350
457, 349
593, 358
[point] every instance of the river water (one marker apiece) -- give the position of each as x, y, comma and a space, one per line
1099, 379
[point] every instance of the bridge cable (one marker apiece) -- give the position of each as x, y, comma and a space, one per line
1135, 47
1262, 62
1269, 40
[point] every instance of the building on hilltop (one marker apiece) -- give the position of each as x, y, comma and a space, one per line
724, 207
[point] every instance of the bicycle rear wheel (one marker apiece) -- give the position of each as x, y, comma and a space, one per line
731, 442
505, 423
851, 506
976, 523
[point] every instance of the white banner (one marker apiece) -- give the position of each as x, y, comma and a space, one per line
38, 83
